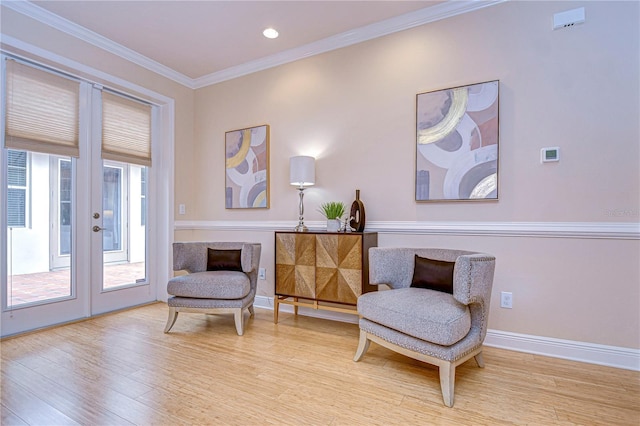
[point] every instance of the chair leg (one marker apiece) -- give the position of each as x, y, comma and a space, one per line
363, 346
447, 380
479, 360
173, 316
251, 311
238, 317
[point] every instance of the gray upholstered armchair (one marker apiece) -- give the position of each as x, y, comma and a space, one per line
434, 326
221, 278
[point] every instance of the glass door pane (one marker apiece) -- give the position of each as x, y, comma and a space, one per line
123, 229
113, 225
33, 277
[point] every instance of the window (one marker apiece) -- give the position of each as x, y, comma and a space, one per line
17, 188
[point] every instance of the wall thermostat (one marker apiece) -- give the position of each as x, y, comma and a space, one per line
548, 155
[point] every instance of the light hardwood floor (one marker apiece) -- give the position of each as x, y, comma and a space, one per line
122, 369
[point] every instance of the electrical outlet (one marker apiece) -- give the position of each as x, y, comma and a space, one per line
182, 209
262, 273
506, 300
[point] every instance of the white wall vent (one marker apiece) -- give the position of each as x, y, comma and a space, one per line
568, 18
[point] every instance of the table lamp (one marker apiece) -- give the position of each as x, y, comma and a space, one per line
302, 173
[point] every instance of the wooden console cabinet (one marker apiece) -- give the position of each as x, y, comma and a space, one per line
322, 270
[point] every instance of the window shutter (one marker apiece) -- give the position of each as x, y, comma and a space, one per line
42, 110
16, 188
126, 130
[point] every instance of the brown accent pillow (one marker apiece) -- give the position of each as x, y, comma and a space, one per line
433, 274
224, 260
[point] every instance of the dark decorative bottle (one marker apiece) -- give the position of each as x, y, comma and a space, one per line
357, 214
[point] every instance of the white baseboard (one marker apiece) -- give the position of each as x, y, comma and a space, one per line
593, 353
612, 356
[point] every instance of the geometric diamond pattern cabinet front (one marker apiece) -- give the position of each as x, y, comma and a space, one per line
316, 268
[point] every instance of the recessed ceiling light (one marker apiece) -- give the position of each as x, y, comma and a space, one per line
270, 33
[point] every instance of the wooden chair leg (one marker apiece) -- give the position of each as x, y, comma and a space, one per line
479, 360
363, 346
238, 318
251, 311
447, 380
173, 316
276, 308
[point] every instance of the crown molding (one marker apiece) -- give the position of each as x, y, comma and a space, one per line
13, 46
40, 14
590, 230
358, 35
348, 38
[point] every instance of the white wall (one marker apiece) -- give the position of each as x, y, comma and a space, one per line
29, 246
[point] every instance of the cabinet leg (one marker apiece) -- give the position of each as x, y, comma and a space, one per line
276, 307
295, 307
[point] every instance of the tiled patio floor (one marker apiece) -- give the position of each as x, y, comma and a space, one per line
29, 288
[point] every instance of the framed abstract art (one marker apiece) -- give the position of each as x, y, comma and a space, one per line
247, 168
457, 143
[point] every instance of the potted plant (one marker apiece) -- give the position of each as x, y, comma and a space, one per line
333, 211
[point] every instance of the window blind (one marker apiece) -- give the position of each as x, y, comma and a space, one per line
126, 130
42, 110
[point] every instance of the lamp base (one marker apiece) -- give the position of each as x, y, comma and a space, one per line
301, 228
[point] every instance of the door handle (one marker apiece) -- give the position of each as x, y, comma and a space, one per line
96, 228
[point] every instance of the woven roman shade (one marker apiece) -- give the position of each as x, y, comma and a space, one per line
42, 110
126, 130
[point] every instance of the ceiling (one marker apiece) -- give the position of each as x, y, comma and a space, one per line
202, 42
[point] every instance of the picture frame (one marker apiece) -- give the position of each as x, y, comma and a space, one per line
457, 143
247, 168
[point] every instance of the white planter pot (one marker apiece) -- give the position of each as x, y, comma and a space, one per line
333, 225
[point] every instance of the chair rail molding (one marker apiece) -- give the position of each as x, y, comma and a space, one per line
592, 353
603, 230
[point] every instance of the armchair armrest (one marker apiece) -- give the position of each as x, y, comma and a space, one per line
473, 278
247, 257
390, 266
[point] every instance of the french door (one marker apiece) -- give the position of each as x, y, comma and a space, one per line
75, 231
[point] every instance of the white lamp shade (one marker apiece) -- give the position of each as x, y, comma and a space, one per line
302, 171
